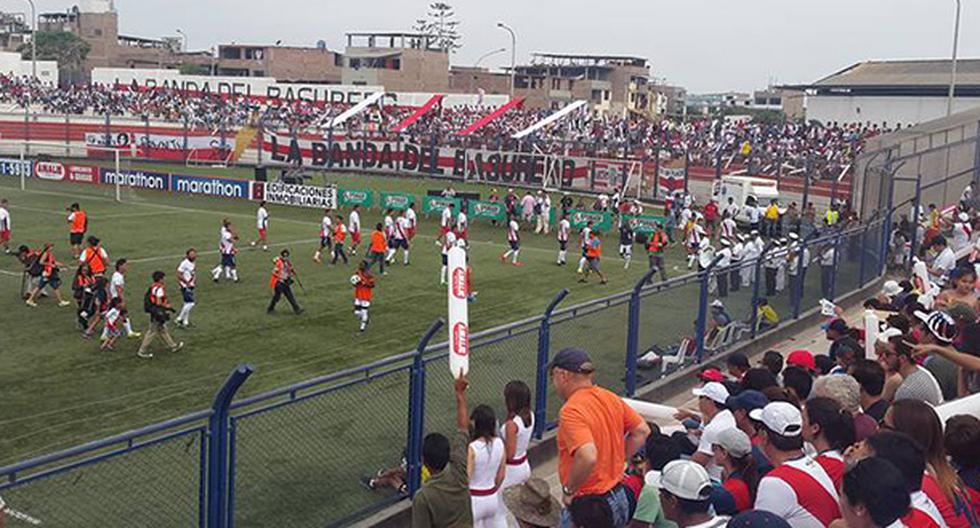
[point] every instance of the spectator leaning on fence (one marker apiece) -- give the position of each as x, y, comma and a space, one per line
597, 433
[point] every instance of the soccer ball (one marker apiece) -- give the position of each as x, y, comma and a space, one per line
355, 280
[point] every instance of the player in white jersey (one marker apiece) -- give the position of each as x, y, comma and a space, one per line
446, 220
413, 220
262, 224
462, 225
694, 238
400, 238
326, 233
514, 240
448, 241
5, 225
583, 240
187, 278
728, 227
354, 227
226, 246
117, 283
389, 231
564, 228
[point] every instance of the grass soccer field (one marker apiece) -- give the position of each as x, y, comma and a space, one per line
60, 390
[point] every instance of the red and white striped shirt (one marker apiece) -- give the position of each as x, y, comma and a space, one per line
801, 492
512, 229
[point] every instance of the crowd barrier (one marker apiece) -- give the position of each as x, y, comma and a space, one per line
294, 456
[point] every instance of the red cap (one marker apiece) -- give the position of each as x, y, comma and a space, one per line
711, 374
802, 359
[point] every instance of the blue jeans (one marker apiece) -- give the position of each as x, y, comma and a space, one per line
620, 502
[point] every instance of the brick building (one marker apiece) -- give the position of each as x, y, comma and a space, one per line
285, 63
401, 62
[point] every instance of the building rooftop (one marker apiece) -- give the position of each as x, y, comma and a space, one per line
573, 59
906, 73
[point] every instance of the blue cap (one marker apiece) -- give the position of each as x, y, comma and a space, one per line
757, 519
747, 400
573, 360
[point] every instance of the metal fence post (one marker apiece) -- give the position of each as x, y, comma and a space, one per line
541, 377
186, 131
687, 168
914, 220
886, 226
861, 256
633, 332
800, 279
703, 309
836, 267
108, 130
218, 482
756, 280
806, 182
416, 410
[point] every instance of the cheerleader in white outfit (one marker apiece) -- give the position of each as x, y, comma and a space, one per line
516, 433
485, 466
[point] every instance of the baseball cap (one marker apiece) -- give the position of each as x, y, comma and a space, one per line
717, 303
748, 400
885, 335
573, 360
837, 325
734, 441
803, 359
963, 217
686, 479
891, 288
757, 519
711, 374
781, 418
940, 324
714, 391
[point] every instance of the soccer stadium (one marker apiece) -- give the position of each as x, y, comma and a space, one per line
277, 285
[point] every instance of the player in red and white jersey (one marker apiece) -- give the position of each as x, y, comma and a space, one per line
798, 489
728, 227
695, 235
401, 237
326, 233
226, 246
389, 231
564, 229
462, 225
262, 225
354, 227
446, 220
514, 240
187, 278
583, 241
5, 225
413, 220
448, 241
117, 283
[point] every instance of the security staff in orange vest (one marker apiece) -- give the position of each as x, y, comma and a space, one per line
655, 250
593, 251
281, 282
95, 256
78, 222
339, 237
378, 248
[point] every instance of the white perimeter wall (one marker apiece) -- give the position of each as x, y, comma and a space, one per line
878, 109
11, 64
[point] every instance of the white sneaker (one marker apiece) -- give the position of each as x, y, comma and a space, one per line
144, 355
179, 347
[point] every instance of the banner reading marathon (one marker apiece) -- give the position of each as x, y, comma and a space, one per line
301, 195
221, 187
141, 179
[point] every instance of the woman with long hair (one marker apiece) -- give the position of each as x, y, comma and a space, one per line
962, 281
740, 474
516, 433
829, 427
485, 467
940, 482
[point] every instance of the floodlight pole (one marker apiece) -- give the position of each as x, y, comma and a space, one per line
513, 55
952, 75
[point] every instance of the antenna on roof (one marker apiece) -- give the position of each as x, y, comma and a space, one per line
321, 44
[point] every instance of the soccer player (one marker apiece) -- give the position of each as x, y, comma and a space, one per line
390, 236
156, 304
226, 246
626, 237
363, 284
413, 221
729, 229
50, 268
446, 220
339, 237
187, 278
262, 224
78, 222
401, 240
376, 251
95, 256
448, 242
115, 317
354, 226
583, 241
564, 228
593, 252
326, 232
116, 286
281, 283
5, 225
694, 237
514, 239
462, 225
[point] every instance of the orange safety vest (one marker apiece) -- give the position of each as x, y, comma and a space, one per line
80, 222
364, 289
657, 242
339, 234
378, 242
594, 249
93, 257
48, 261
279, 269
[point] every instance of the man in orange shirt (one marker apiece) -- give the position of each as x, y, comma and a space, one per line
378, 248
78, 221
597, 434
95, 256
363, 283
593, 252
281, 283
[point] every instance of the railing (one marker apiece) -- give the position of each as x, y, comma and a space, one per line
294, 456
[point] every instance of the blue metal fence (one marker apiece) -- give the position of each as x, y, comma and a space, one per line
295, 456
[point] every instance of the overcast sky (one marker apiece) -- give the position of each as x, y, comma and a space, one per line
704, 45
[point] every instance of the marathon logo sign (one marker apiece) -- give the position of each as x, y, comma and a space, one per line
139, 179
220, 187
16, 167
301, 195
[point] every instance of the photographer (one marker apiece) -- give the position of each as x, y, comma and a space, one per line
281, 282
155, 303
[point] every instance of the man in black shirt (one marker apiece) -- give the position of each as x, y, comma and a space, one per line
870, 375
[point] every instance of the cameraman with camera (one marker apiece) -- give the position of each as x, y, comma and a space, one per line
155, 303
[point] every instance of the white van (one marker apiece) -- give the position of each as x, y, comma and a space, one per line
743, 189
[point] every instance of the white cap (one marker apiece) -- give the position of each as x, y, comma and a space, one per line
714, 391
734, 441
964, 217
781, 418
891, 288
887, 334
794, 236
717, 303
686, 479
725, 242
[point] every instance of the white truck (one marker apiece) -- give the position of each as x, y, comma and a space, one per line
744, 190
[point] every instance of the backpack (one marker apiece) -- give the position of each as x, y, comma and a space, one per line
34, 268
148, 305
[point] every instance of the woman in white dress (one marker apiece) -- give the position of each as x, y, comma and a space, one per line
516, 432
485, 466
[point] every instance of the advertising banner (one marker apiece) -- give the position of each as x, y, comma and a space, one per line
15, 167
435, 204
221, 187
396, 201
459, 321
362, 197
671, 177
83, 174
157, 181
300, 195
601, 221
487, 210
49, 170
645, 223
162, 146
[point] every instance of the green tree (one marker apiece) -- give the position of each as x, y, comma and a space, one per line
65, 48
440, 22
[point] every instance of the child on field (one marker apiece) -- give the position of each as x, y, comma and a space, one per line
115, 319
